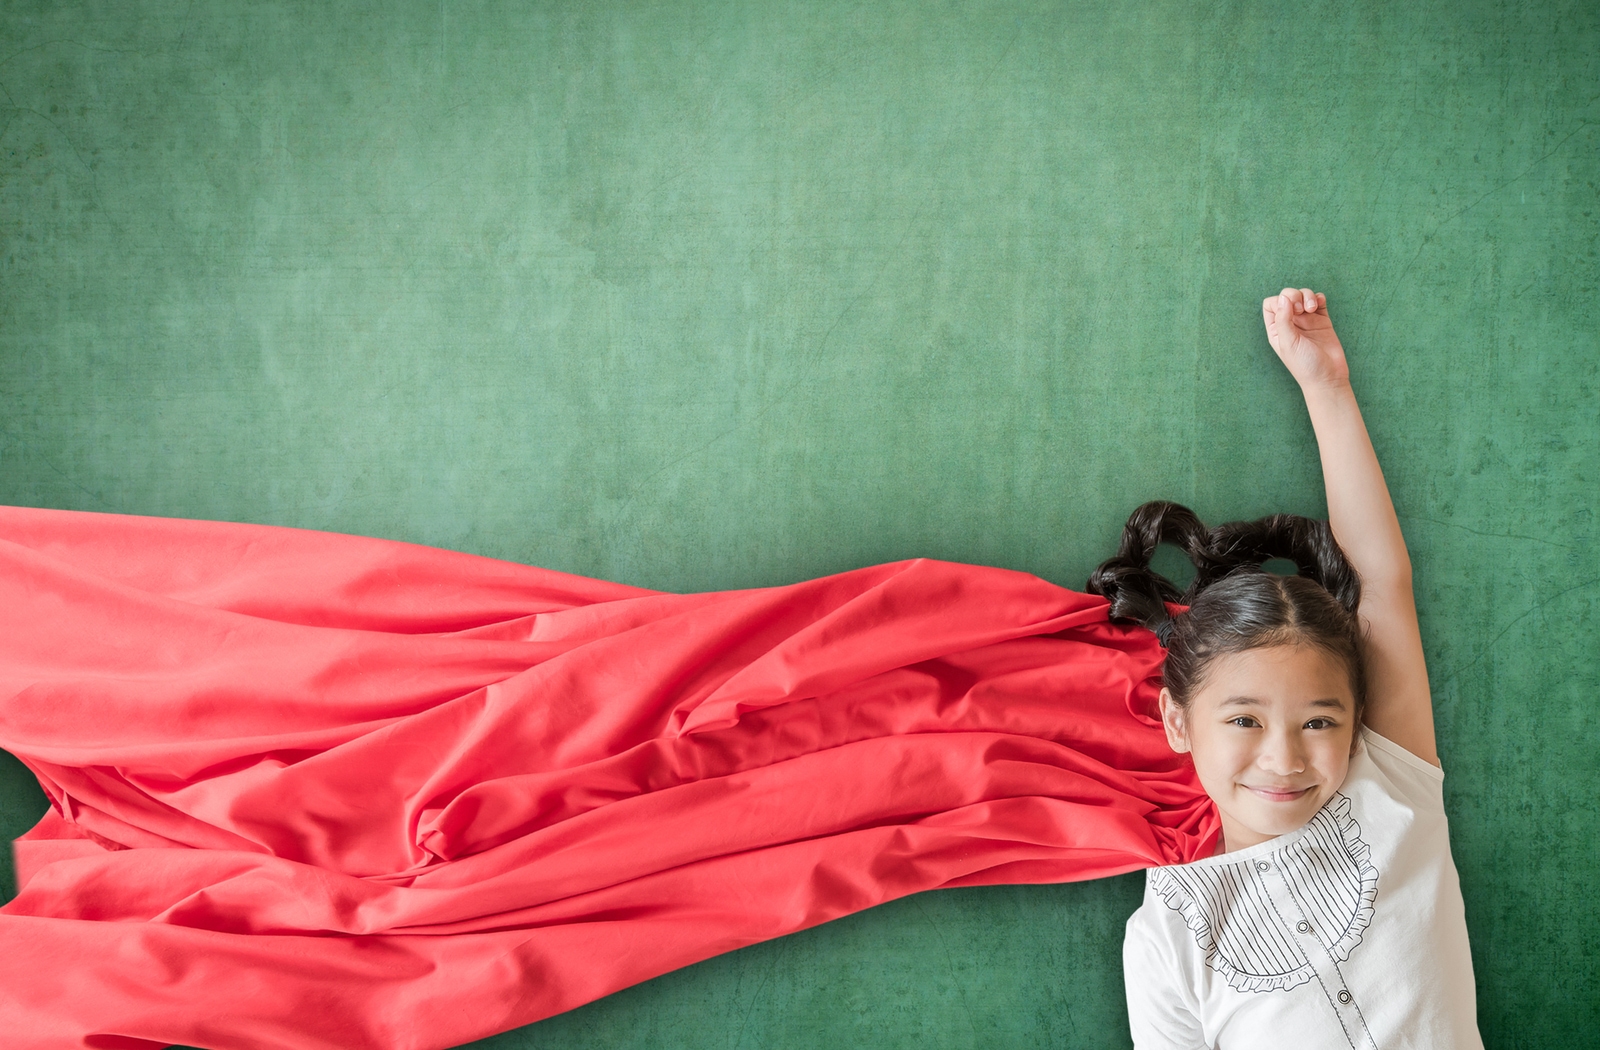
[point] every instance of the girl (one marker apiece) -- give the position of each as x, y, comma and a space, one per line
1331, 914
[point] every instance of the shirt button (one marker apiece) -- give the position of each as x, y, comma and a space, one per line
1344, 997
1303, 926
1262, 865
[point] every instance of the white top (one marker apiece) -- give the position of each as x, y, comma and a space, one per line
1346, 934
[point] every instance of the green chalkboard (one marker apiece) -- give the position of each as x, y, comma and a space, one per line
702, 295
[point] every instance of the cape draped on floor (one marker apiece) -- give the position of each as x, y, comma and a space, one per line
311, 790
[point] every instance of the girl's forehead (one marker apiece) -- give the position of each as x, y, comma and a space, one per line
1298, 674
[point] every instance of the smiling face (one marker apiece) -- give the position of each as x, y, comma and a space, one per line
1271, 732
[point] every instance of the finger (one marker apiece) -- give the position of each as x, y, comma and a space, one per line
1288, 297
1279, 318
1272, 307
1308, 300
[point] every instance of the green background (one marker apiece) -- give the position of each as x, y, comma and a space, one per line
706, 295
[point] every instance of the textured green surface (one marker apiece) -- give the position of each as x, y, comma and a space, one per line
700, 295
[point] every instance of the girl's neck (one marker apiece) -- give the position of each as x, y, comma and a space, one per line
1236, 837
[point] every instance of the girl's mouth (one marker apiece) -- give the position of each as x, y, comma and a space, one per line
1278, 794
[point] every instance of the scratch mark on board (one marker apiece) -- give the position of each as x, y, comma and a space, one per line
1427, 238
1498, 535
1535, 607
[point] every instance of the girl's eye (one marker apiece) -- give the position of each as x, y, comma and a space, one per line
1320, 723
1243, 722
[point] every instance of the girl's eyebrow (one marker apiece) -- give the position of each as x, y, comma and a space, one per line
1250, 701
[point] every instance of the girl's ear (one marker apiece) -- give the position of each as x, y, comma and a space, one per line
1175, 722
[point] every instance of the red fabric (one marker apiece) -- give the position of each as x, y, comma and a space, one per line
313, 790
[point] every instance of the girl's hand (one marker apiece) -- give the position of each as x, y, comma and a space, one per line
1302, 335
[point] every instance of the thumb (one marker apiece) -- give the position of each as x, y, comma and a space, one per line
1280, 320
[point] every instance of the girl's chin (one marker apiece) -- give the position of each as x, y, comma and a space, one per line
1267, 820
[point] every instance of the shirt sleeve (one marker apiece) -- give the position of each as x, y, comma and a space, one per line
1162, 1012
1417, 781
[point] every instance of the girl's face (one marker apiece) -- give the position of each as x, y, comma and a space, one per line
1271, 732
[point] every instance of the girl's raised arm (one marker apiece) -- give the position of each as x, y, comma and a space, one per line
1399, 703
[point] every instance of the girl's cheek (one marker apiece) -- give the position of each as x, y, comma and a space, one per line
1334, 755
1218, 761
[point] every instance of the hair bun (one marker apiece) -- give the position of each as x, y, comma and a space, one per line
1308, 542
1136, 591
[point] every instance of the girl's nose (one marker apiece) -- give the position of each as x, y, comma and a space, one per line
1281, 754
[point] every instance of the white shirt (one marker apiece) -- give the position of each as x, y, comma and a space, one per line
1347, 933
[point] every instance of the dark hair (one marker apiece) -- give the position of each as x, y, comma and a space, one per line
1233, 604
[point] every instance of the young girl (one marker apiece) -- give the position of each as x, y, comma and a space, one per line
1331, 914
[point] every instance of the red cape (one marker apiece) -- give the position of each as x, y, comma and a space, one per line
321, 791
